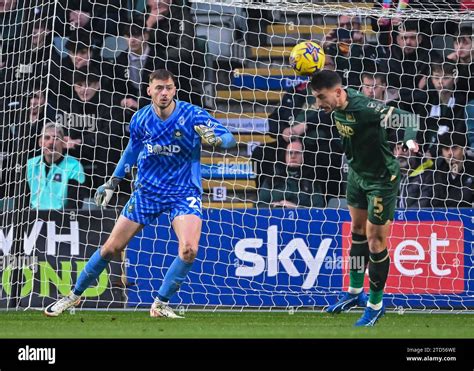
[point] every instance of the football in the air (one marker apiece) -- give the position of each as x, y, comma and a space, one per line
307, 58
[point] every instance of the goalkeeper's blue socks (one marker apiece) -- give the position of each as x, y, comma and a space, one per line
175, 276
91, 272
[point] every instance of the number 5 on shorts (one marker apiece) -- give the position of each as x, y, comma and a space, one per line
378, 205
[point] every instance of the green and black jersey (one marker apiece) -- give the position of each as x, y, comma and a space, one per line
361, 125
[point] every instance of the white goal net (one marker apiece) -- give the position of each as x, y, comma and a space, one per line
276, 231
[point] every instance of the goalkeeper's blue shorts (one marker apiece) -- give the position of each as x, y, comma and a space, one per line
142, 210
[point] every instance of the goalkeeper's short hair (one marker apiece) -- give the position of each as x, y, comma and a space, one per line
162, 75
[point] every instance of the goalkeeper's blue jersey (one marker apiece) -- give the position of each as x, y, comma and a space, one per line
170, 150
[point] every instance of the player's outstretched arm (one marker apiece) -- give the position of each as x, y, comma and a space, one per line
391, 117
105, 192
409, 121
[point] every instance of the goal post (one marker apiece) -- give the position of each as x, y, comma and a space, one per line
85, 67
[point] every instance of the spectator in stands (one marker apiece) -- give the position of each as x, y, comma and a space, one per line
454, 172
19, 142
464, 56
23, 71
171, 29
292, 110
290, 187
374, 86
408, 62
297, 116
416, 184
19, 137
37, 111
97, 134
347, 56
133, 67
10, 27
349, 23
54, 178
441, 107
81, 55
97, 18
386, 27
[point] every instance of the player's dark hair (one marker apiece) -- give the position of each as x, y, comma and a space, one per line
411, 25
325, 79
443, 66
86, 74
162, 75
380, 77
450, 139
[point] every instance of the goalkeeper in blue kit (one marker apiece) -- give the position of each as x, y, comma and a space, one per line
165, 144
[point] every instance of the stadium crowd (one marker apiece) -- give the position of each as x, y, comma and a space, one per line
91, 88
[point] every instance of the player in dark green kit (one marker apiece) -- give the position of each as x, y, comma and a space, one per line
372, 185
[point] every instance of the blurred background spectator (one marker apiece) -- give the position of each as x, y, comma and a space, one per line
464, 56
171, 31
442, 106
416, 184
54, 178
132, 69
96, 18
454, 172
290, 186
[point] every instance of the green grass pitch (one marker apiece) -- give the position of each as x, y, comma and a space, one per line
93, 324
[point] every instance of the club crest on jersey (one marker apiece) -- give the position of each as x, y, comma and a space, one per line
350, 117
57, 177
178, 134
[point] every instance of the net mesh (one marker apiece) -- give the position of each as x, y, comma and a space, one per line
273, 235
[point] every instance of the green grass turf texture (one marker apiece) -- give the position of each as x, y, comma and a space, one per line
93, 324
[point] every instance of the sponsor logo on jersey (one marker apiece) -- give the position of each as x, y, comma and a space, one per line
344, 130
166, 150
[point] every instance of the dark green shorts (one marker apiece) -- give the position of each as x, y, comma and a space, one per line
378, 198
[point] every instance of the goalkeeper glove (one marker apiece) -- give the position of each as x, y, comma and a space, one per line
208, 134
105, 192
